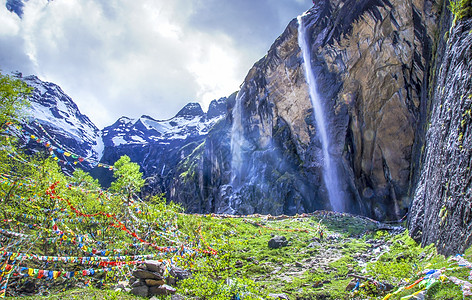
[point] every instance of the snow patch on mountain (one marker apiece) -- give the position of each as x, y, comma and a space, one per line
62, 120
190, 121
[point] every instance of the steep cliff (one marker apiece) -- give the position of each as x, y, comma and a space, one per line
442, 210
371, 63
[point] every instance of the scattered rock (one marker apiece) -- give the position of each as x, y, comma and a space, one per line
278, 242
279, 296
122, 284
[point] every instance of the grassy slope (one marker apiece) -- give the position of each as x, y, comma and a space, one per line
309, 267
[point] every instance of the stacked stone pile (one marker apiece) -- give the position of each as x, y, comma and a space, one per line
150, 279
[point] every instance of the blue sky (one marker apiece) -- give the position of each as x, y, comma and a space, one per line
124, 57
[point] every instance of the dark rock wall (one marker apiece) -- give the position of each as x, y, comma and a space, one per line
442, 209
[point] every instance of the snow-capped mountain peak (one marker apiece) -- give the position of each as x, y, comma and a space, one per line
190, 121
54, 112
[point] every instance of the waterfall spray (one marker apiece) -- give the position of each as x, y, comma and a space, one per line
330, 174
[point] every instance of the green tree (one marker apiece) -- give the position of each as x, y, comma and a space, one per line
129, 179
13, 99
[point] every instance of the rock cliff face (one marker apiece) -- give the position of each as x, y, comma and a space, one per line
371, 63
442, 210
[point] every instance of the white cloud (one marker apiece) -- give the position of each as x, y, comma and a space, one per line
118, 57
9, 23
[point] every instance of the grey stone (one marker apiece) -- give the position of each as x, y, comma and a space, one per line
179, 273
152, 282
141, 291
279, 296
137, 282
278, 242
143, 274
162, 290
155, 266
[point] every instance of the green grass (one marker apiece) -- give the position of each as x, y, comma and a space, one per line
84, 294
246, 267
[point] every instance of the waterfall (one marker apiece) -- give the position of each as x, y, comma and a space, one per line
237, 140
330, 174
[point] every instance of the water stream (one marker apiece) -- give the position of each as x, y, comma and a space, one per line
330, 174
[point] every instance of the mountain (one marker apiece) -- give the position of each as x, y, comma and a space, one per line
56, 119
190, 122
56, 122
393, 80
16, 6
360, 106
370, 61
158, 145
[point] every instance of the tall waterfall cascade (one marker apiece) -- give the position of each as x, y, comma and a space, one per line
330, 173
237, 143
237, 140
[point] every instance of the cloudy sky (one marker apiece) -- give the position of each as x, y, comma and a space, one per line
135, 57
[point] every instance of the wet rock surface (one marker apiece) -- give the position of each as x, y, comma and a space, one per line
441, 211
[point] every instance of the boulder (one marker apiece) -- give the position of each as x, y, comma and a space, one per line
277, 242
177, 274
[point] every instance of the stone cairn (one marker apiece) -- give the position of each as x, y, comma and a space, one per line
149, 279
